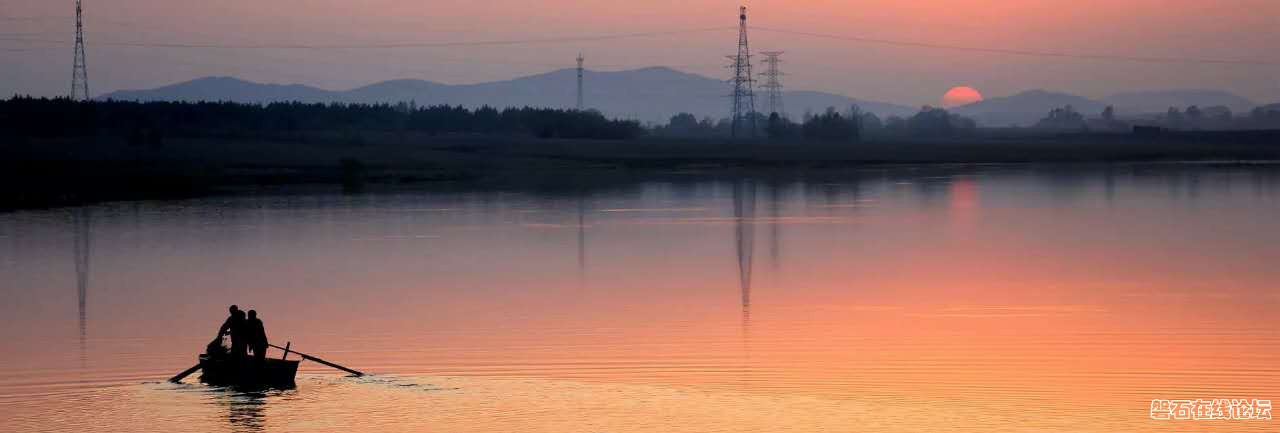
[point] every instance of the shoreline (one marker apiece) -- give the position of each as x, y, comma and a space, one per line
51, 173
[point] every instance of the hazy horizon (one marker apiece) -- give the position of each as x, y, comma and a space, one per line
907, 75
355, 86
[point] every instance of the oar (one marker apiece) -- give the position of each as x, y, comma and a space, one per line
187, 372
314, 359
183, 375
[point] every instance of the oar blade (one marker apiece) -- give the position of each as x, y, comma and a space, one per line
321, 361
184, 374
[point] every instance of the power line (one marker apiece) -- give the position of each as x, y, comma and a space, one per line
132, 25
33, 18
605, 37
469, 61
1030, 53
588, 38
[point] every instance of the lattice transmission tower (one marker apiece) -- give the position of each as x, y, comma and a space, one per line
79, 71
773, 82
743, 111
580, 73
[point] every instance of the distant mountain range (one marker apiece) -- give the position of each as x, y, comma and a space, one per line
649, 94
655, 94
1024, 109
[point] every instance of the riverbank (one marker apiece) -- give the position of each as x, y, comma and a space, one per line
70, 171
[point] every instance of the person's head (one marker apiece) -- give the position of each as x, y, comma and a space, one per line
253, 314
233, 309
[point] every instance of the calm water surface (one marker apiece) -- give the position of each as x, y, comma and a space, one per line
995, 299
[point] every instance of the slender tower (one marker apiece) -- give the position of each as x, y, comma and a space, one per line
580, 60
743, 111
773, 82
79, 72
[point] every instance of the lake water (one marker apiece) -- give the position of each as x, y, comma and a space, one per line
904, 299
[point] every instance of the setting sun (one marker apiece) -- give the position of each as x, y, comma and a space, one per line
961, 95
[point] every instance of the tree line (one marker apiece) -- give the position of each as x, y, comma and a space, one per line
44, 117
851, 125
1214, 118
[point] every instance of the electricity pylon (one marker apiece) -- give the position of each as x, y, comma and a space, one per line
580, 70
773, 82
743, 110
79, 71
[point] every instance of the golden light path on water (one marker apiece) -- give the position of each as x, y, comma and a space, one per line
992, 299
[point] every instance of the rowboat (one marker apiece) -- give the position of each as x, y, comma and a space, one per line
219, 369
224, 371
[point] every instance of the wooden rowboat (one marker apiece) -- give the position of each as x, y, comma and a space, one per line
221, 370
276, 373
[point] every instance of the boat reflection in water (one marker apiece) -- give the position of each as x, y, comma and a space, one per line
245, 409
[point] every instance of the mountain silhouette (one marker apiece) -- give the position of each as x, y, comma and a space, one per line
1026, 108
226, 89
650, 94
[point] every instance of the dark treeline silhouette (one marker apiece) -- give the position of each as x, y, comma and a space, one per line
1215, 118
1064, 119
149, 122
1193, 118
829, 126
852, 125
685, 125
931, 122
56, 152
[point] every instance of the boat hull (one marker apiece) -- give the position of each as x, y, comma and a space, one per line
275, 373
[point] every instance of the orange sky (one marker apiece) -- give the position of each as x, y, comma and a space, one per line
1230, 29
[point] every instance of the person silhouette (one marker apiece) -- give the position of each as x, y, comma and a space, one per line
235, 326
256, 335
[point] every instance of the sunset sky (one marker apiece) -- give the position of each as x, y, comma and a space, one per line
1217, 29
